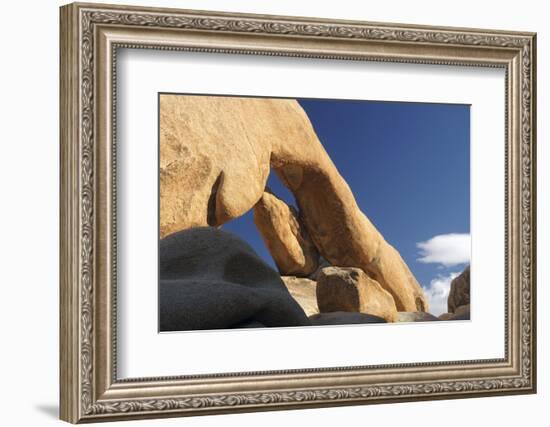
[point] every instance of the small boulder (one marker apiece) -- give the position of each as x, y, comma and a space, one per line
463, 309
304, 291
343, 318
350, 289
461, 313
446, 316
415, 316
463, 316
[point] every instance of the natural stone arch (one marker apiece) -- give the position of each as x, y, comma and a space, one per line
222, 149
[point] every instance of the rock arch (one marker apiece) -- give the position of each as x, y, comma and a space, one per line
216, 154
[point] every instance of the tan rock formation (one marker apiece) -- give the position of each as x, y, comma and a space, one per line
215, 157
460, 291
285, 236
304, 291
350, 289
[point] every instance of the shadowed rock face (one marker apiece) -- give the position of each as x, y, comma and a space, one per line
343, 318
210, 279
459, 295
216, 154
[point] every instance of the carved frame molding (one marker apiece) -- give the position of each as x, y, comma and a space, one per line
90, 37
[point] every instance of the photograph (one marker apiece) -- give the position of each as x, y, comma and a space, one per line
298, 212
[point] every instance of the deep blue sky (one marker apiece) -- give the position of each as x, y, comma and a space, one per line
408, 165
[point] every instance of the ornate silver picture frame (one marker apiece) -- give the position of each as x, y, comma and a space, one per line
91, 36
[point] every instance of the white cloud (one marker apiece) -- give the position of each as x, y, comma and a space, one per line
446, 249
438, 292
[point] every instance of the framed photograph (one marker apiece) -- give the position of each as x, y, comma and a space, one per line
266, 212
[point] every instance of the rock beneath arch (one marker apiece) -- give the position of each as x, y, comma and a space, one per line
285, 236
351, 290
